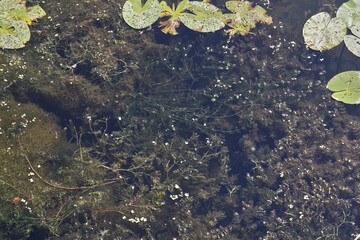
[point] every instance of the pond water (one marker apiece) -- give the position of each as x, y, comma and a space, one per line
108, 132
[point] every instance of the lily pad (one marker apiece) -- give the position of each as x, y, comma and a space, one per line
26, 14
349, 11
14, 18
321, 32
140, 16
353, 44
13, 33
346, 86
355, 28
244, 17
7, 5
203, 17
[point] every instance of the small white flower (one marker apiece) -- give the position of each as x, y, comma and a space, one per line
174, 197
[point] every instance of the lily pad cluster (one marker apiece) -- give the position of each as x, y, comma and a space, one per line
198, 16
14, 20
321, 32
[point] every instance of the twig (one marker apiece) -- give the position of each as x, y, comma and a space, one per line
62, 187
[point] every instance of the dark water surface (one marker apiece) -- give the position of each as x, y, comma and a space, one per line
107, 132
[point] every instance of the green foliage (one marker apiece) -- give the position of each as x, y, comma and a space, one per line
14, 226
244, 17
198, 16
346, 86
321, 32
14, 18
170, 25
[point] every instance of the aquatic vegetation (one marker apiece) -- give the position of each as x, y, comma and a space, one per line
205, 139
14, 18
198, 16
346, 86
202, 17
173, 22
141, 16
321, 32
244, 17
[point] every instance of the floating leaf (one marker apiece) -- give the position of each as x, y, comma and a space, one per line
7, 5
14, 17
353, 44
20, 12
170, 25
321, 32
355, 28
349, 11
204, 17
346, 86
244, 17
140, 16
13, 33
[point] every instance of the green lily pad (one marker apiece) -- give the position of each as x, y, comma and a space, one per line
244, 17
13, 33
204, 17
349, 11
346, 86
321, 32
140, 16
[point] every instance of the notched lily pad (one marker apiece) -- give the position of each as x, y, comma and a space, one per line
321, 32
244, 17
203, 17
140, 16
346, 86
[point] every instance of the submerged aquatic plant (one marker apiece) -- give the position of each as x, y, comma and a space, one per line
14, 18
198, 16
321, 32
